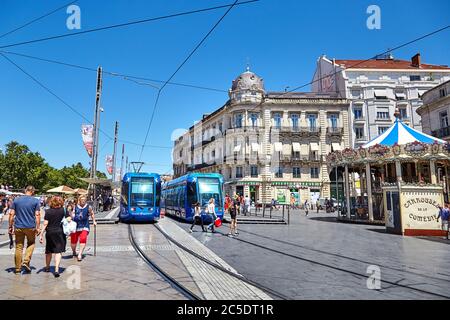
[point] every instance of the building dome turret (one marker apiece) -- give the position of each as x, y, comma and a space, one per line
247, 87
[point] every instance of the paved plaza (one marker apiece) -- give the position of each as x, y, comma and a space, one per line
313, 257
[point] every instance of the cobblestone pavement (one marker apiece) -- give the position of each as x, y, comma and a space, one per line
116, 272
316, 257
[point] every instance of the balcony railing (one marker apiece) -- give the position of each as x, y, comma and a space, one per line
335, 131
441, 133
305, 158
242, 129
360, 118
302, 130
361, 139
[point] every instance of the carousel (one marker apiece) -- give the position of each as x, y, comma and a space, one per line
399, 179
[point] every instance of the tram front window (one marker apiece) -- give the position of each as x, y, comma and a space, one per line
141, 192
209, 188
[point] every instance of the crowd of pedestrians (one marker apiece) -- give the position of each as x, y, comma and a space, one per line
25, 224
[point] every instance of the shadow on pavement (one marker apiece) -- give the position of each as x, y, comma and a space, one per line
325, 219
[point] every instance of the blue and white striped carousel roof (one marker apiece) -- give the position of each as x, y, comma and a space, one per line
400, 133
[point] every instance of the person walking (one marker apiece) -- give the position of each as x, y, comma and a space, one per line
26, 214
306, 208
247, 203
233, 213
81, 216
197, 217
2, 211
211, 209
444, 215
228, 203
317, 205
55, 239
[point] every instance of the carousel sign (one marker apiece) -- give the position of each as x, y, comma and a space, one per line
420, 209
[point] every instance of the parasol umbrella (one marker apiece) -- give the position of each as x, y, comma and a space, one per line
80, 191
62, 189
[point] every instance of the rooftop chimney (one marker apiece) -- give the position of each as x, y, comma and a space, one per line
415, 61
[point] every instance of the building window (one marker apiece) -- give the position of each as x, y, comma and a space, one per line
238, 172
312, 121
357, 113
383, 115
356, 94
277, 120
220, 126
359, 133
294, 118
400, 95
279, 173
382, 130
403, 113
254, 171
442, 93
414, 78
444, 119
380, 95
334, 120
213, 154
314, 173
238, 120
296, 172
296, 154
254, 119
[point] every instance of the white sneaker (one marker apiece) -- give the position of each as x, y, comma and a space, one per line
190, 230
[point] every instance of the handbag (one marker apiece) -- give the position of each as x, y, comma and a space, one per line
217, 222
68, 227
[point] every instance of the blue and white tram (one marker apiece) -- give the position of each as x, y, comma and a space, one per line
140, 197
179, 195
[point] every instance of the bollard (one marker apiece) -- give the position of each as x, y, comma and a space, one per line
264, 208
283, 210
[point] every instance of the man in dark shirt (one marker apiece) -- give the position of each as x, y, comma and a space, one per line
26, 214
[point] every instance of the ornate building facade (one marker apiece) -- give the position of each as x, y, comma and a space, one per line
267, 145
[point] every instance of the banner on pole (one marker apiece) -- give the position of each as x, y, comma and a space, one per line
87, 133
109, 164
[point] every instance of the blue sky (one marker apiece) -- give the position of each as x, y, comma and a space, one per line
280, 39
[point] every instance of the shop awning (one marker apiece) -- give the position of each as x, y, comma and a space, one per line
296, 146
278, 146
336, 147
304, 150
380, 93
237, 148
314, 146
255, 147
400, 96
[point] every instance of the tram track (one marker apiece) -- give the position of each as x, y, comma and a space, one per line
342, 256
219, 267
342, 270
172, 281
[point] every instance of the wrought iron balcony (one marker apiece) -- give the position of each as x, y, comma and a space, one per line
335, 131
441, 133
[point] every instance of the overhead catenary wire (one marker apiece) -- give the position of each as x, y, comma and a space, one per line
111, 73
357, 64
38, 18
126, 24
74, 110
179, 68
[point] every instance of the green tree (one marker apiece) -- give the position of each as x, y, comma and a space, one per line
20, 167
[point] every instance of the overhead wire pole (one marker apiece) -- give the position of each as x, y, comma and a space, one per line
122, 162
96, 130
179, 68
116, 132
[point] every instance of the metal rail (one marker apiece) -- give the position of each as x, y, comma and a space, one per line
174, 283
